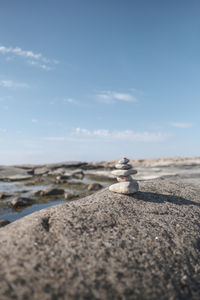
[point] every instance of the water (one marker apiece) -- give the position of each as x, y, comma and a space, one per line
18, 188
12, 215
24, 188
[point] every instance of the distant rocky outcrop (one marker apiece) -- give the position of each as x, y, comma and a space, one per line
107, 246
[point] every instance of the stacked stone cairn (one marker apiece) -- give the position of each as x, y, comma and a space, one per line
126, 184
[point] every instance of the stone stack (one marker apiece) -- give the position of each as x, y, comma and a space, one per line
126, 184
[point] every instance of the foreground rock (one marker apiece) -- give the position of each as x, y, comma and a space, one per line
107, 246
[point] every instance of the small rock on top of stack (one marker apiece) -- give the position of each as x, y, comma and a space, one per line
126, 184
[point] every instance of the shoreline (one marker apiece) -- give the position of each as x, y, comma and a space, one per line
39, 186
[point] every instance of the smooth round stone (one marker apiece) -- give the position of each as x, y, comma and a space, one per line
122, 173
123, 179
124, 160
125, 187
123, 166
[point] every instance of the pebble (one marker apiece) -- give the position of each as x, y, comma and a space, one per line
123, 166
94, 187
122, 179
123, 172
124, 160
125, 187
21, 201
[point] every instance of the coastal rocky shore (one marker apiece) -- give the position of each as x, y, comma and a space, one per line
147, 169
107, 246
28, 188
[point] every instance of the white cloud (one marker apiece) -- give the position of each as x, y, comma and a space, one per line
111, 97
181, 124
120, 134
36, 59
12, 84
81, 134
37, 63
71, 101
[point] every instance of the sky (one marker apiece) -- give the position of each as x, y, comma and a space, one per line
97, 80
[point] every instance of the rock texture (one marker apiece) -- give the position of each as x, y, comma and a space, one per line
107, 246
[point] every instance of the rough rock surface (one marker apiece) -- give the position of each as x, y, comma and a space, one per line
107, 246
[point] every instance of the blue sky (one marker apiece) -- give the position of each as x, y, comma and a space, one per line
95, 80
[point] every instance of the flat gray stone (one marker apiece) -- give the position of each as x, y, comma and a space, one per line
123, 173
126, 187
125, 178
123, 166
41, 171
19, 177
124, 160
8, 171
107, 246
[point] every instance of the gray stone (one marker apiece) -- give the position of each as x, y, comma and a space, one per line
21, 201
78, 174
71, 195
52, 192
127, 187
124, 160
19, 177
41, 171
107, 246
126, 178
35, 192
94, 187
123, 166
7, 171
123, 173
